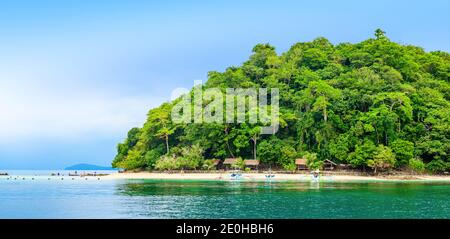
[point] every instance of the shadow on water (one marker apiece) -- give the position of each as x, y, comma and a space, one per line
154, 187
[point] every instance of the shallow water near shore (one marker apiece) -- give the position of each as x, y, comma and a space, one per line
90, 197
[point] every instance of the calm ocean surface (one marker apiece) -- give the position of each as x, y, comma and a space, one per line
93, 198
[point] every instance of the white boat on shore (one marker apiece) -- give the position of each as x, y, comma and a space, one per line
315, 176
236, 175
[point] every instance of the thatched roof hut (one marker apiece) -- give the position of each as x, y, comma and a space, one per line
229, 161
301, 163
251, 162
329, 165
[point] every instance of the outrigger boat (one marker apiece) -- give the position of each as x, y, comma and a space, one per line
270, 175
315, 176
236, 175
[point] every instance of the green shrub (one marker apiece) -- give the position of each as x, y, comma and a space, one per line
362, 154
287, 157
191, 157
167, 162
239, 164
437, 166
150, 158
208, 164
416, 165
290, 167
383, 159
404, 150
312, 161
132, 161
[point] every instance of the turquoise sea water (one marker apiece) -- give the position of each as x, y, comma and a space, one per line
93, 198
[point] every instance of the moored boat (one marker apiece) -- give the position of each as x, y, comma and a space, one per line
315, 176
235, 175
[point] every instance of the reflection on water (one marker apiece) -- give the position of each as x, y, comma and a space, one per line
42, 198
286, 199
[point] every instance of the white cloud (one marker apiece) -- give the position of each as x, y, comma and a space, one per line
39, 102
70, 86
32, 116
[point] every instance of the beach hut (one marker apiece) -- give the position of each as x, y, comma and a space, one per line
329, 165
228, 162
301, 164
251, 163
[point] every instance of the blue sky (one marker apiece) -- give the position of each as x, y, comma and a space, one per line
76, 75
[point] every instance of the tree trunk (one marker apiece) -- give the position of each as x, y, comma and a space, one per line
392, 106
227, 143
229, 149
167, 143
254, 148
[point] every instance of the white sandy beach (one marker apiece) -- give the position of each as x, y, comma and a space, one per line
262, 177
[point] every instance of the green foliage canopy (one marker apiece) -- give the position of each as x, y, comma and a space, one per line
376, 104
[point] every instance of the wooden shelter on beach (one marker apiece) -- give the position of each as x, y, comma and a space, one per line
301, 164
329, 165
228, 162
251, 163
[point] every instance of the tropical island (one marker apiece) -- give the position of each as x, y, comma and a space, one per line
372, 108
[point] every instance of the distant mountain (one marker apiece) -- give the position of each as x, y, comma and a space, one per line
84, 166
